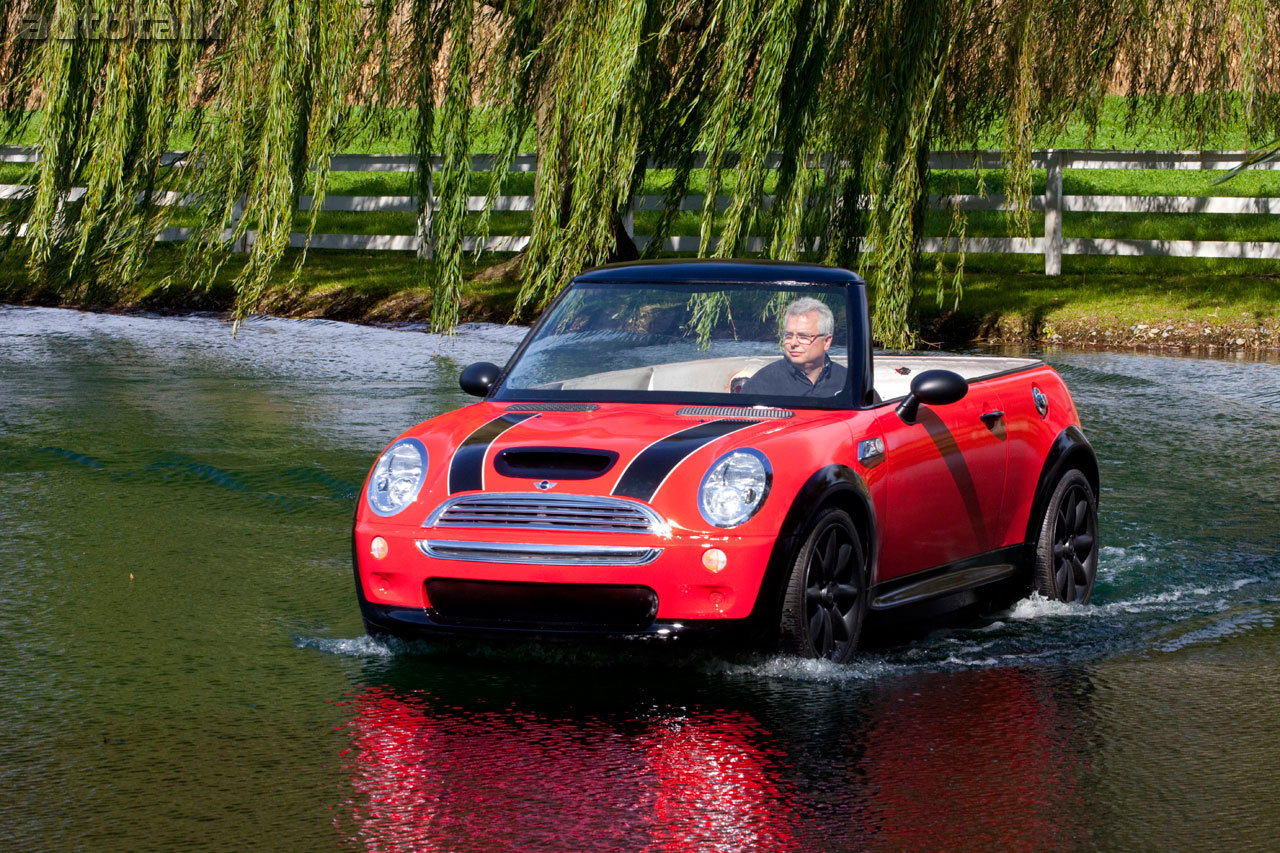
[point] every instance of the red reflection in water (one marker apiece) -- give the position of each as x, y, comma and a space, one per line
714, 788
957, 761
432, 778
972, 761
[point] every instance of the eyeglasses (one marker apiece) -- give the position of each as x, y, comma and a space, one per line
788, 337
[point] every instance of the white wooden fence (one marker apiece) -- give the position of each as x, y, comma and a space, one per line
1052, 245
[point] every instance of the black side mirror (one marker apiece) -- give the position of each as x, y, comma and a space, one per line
935, 387
476, 379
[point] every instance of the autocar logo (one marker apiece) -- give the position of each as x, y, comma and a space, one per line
543, 485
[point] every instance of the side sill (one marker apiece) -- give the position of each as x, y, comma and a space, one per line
944, 580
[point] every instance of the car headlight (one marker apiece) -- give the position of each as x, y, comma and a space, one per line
397, 477
734, 487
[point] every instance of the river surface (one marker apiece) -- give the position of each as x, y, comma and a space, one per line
184, 665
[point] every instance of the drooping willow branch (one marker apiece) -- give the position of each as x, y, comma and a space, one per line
805, 124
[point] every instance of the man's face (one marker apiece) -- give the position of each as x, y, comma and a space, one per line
803, 345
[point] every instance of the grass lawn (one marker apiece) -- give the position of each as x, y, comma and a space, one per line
1103, 300
1223, 305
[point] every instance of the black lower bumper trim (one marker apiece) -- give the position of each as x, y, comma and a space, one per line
601, 607
415, 623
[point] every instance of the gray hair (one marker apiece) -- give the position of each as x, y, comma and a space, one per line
809, 305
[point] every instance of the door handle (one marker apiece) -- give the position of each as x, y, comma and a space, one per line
990, 418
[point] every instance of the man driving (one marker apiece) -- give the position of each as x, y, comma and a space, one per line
806, 370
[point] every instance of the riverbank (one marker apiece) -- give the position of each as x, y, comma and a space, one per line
1154, 308
1162, 309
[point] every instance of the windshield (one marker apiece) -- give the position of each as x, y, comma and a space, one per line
763, 344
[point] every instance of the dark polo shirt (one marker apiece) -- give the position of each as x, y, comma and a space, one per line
784, 378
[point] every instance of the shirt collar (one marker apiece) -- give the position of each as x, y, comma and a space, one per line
798, 371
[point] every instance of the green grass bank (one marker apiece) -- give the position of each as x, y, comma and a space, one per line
1160, 304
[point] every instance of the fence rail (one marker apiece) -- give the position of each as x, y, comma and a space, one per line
1053, 203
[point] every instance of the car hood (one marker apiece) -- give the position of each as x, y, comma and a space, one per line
643, 445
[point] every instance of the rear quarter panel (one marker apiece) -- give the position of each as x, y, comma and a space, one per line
1029, 437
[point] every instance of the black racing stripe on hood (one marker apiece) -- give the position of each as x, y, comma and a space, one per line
652, 465
466, 472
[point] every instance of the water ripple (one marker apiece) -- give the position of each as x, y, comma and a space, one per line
167, 677
1230, 625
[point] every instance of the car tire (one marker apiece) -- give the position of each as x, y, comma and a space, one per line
826, 595
1066, 550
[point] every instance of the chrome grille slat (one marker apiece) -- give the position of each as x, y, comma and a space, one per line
560, 555
452, 520
540, 501
549, 527
521, 510
536, 510
516, 517
585, 512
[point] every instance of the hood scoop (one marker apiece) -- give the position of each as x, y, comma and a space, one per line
760, 413
560, 463
553, 407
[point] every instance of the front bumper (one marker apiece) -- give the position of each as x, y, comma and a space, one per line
451, 581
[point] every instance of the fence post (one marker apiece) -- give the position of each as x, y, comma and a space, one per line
629, 219
1053, 212
426, 248
426, 245
237, 213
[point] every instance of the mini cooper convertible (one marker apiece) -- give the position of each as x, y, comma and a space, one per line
710, 448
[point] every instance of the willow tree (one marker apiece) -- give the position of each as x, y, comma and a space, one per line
840, 101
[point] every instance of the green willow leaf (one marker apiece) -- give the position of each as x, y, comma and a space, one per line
805, 125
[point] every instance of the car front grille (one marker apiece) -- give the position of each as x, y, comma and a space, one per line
523, 511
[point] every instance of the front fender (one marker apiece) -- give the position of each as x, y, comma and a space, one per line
837, 485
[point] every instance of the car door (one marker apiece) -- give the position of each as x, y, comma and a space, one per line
945, 484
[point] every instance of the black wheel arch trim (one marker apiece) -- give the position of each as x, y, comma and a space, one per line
1069, 450
831, 484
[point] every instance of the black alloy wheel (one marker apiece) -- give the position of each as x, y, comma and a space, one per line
1067, 550
826, 598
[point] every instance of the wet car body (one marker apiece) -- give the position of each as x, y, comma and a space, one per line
578, 501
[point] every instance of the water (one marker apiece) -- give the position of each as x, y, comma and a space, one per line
184, 666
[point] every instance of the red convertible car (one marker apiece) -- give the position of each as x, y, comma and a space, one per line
687, 447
